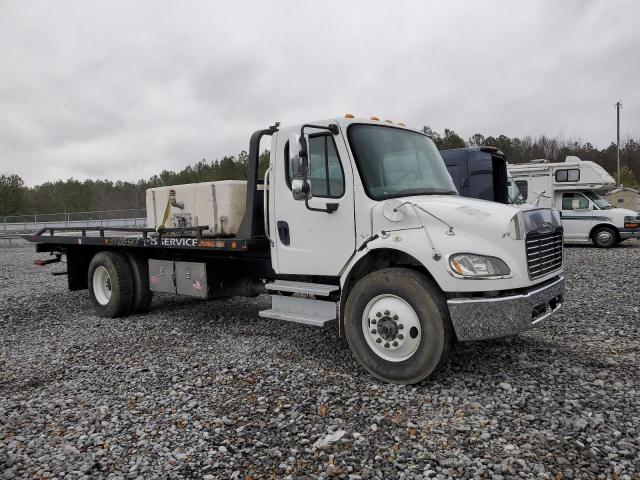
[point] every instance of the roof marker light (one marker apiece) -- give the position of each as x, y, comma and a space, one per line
375, 118
348, 115
388, 121
401, 124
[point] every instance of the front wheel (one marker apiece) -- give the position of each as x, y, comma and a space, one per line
398, 326
605, 237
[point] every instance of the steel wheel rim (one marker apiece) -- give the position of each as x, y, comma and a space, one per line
604, 236
391, 328
102, 285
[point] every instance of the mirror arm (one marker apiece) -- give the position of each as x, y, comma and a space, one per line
332, 127
331, 207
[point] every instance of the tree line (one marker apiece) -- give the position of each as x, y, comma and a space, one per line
94, 195
555, 149
98, 195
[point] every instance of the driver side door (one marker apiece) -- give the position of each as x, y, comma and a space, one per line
310, 242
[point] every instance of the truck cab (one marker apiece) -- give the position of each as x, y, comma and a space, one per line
371, 205
481, 172
573, 187
478, 172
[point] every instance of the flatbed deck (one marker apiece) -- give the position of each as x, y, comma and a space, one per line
146, 238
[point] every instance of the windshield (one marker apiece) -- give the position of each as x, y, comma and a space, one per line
395, 162
600, 202
515, 197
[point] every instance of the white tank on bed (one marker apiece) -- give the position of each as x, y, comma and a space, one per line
218, 205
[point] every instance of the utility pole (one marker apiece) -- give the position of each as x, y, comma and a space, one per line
618, 106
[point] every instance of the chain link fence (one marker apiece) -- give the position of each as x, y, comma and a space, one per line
17, 224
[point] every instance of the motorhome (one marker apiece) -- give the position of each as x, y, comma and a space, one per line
573, 187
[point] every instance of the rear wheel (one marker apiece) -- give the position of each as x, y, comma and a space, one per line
397, 325
605, 237
110, 284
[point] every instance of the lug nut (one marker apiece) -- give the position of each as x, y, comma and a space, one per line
395, 344
401, 337
395, 317
378, 314
374, 331
401, 326
378, 340
386, 345
374, 321
386, 312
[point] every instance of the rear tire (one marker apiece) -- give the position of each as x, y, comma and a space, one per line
398, 326
111, 284
142, 294
605, 237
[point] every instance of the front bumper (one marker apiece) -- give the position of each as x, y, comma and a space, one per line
484, 318
626, 233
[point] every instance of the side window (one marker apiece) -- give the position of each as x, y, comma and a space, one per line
568, 198
523, 186
568, 175
326, 174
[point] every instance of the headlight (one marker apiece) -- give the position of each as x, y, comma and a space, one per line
469, 265
631, 222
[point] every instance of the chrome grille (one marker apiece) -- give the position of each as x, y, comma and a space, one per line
544, 253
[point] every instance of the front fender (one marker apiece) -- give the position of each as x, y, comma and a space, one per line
384, 249
415, 244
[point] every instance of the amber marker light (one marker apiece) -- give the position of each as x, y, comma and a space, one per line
456, 266
375, 118
348, 115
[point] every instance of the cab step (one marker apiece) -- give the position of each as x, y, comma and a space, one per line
306, 288
301, 310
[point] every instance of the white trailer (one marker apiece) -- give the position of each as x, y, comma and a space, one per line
572, 188
356, 223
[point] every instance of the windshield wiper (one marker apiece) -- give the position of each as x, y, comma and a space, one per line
447, 192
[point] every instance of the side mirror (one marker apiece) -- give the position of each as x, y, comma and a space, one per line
299, 161
300, 189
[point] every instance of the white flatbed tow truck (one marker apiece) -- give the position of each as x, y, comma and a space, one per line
356, 223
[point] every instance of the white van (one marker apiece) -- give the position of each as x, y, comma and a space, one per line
571, 187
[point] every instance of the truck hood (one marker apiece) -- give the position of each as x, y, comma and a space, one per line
623, 212
460, 212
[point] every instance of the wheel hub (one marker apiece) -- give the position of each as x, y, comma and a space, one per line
102, 287
386, 322
388, 329
604, 236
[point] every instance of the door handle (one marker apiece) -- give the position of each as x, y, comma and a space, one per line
283, 232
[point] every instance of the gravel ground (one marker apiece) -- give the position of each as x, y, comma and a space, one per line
209, 390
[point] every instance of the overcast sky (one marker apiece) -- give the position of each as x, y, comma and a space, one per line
123, 90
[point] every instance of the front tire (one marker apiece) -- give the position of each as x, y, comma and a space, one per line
397, 325
605, 237
111, 284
